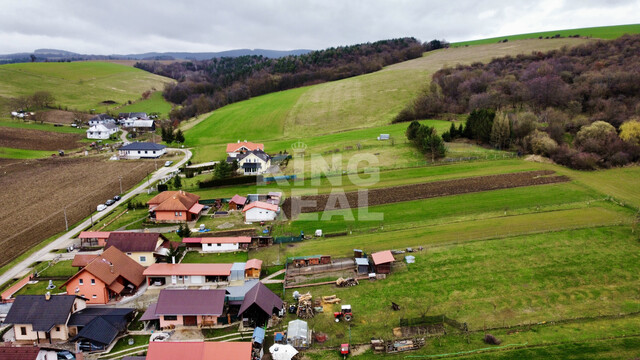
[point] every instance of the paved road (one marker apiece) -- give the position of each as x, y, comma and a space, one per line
66, 239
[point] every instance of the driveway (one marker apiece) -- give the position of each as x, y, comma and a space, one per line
67, 239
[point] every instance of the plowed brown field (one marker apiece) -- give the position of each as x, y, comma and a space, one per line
424, 191
38, 140
35, 192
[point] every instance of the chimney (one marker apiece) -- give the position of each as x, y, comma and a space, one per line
47, 296
173, 259
111, 267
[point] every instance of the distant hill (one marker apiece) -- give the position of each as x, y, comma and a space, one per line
63, 55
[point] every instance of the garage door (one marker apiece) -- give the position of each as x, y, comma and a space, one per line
197, 279
190, 321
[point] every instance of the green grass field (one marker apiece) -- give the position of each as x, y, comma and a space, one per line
601, 32
38, 126
155, 103
11, 153
78, 85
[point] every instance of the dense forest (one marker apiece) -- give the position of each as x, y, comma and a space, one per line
579, 105
206, 85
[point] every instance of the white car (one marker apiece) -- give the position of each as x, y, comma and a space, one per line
101, 207
168, 163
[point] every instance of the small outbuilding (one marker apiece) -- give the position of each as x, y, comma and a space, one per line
258, 211
298, 334
237, 202
362, 265
382, 261
259, 305
252, 269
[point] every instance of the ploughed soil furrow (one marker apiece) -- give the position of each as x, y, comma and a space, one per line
395, 194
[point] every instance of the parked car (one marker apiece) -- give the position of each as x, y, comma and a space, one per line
117, 198
168, 163
65, 355
88, 346
109, 202
101, 207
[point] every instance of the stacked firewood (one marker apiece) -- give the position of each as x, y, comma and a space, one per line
305, 306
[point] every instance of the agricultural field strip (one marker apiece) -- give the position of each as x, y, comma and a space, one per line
425, 190
449, 209
453, 233
31, 139
504, 282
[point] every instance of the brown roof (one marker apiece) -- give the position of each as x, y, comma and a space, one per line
82, 260
263, 297
134, 241
382, 257
19, 353
174, 201
253, 264
113, 264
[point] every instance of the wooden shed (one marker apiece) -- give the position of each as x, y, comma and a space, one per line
382, 261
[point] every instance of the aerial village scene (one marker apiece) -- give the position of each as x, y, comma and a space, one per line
352, 198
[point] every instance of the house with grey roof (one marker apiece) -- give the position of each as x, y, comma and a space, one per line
187, 308
142, 150
254, 162
43, 318
101, 119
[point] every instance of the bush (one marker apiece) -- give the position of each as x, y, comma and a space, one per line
540, 143
230, 181
163, 187
584, 161
492, 340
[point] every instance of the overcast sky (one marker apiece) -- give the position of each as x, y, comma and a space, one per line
131, 26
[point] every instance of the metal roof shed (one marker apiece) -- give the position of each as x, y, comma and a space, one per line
237, 272
258, 335
363, 265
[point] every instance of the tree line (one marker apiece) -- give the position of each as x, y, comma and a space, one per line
579, 106
206, 85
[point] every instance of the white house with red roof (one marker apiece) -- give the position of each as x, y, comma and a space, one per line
234, 149
258, 211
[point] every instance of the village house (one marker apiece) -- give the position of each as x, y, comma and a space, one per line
174, 207
187, 308
252, 269
43, 317
235, 149
107, 277
237, 202
90, 239
254, 162
101, 119
219, 244
259, 305
382, 261
102, 131
99, 326
167, 350
141, 150
143, 248
259, 211
188, 274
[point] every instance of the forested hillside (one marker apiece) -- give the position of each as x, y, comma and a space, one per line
210, 84
568, 104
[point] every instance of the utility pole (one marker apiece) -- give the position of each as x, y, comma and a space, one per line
66, 223
120, 178
91, 215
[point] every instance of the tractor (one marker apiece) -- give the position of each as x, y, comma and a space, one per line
345, 313
344, 350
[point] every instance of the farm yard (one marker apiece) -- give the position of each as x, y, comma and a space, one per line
40, 190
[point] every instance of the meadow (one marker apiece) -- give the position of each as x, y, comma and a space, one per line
155, 103
601, 32
78, 85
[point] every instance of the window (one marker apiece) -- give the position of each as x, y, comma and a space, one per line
58, 328
129, 254
143, 258
219, 244
93, 281
23, 330
186, 277
80, 281
75, 307
179, 277
170, 317
94, 296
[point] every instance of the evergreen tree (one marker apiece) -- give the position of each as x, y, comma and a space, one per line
452, 132
412, 130
179, 136
223, 170
177, 182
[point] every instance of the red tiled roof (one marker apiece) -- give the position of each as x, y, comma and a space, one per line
233, 147
237, 199
261, 205
94, 235
199, 350
253, 264
196, 208
19, 353
173, 201
382, 257
82, 260
111, 265
188, 269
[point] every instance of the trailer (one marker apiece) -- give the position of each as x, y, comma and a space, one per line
396, 346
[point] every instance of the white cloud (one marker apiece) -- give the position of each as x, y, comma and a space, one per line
133, 26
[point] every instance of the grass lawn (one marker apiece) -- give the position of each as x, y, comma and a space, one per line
510, 281
123, 344
81, 85
11, 153
216, 258
40, 288
155, 103
60, 269
21, 124
601, 32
